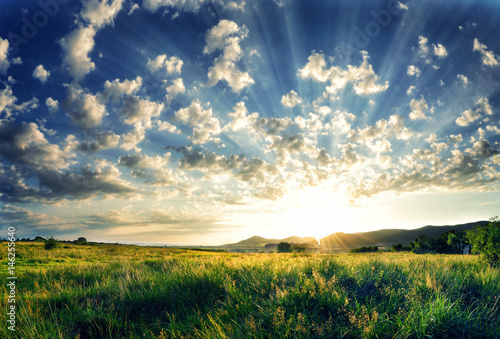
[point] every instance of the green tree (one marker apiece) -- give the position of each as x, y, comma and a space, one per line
421, 244
284, 247
485, 240
50, 243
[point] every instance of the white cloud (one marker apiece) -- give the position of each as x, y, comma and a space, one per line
216, 37
52, 104
133, 8
102, 140
410, 90
4, 61
76, 46
152, 169
440, 51
484, 106
425, 52
402, 6
8, 103
413, 71
488, 57
205, 125
115, 90
26, 144
423, 48
241, 118
471, 115
467, 117
131, 139
83, 108
233, 5
418, 109
226, 36
100, 13
292, 99
175, 89
463, 78
226, 70
169, 65
139, 112
41, 73
181, 5
363, 78
166, 126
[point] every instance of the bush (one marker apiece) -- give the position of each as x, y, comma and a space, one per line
485, 240
284, 247
400, 248
50, 243
364, 249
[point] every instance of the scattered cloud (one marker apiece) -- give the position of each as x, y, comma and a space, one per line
226, 36
175, 89
41, 73
115, 90
473, 114
418, 109
205, 126
8, 105
4, 61
440, 51
413, 71
53, 105
84, 109
292, 99
100, 13
463, 78
363, 78
76, 47
168, 65
181, 5
488, 58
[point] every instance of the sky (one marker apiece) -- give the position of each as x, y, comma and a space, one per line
204, 122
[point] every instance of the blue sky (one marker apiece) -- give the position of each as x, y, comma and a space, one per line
209, 121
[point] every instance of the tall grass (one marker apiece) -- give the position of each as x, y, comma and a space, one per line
111, 291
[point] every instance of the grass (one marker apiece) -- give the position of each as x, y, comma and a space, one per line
114, 291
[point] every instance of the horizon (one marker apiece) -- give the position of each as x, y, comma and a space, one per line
254, 236
211, 121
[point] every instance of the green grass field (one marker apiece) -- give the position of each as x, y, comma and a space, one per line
114, 291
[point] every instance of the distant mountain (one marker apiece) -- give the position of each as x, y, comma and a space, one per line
257, 241
388, 237
346, 241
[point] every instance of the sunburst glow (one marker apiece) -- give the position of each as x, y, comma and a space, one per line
205, 122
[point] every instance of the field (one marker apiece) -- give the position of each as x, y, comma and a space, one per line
114, 291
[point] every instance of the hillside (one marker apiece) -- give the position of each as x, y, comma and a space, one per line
257, 241
388, 237
346, 241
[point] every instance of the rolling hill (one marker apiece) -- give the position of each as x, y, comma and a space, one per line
347, 241
257, 241
388, 237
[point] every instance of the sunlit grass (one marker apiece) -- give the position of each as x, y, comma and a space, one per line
129, 291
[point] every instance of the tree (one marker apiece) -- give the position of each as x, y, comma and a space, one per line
421, 244
284, 247
485, 240
50, 243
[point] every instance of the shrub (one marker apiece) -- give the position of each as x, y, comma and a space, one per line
284, 247
364, 249
50, 243
485, 240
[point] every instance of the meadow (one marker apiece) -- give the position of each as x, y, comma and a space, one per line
116, 291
